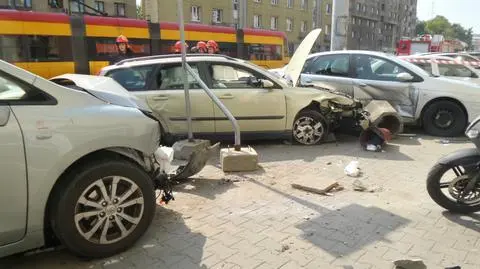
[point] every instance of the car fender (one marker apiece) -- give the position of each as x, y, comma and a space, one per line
460, 156
298, 99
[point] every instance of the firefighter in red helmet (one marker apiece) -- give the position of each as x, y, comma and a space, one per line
123, 50
177, 48
201, 47
212, 47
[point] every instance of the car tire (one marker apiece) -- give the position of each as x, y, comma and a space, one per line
444, 118
82, 194
305, 125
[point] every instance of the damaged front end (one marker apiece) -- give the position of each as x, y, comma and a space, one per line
343, 111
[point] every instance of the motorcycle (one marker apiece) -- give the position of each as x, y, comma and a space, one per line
464, 189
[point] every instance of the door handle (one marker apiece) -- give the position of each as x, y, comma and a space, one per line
226, 96
361, 84
160, 98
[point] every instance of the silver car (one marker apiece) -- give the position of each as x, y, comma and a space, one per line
76, 164
442, 106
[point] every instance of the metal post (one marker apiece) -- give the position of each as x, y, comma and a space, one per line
222, 107
185, 74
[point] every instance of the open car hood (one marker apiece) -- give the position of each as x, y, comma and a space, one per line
294, 68
104, 88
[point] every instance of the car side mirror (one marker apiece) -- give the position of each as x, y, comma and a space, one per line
267, 84
404, 77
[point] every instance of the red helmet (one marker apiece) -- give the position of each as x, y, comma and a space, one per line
212, 44
202, 46
122, 39
178, 46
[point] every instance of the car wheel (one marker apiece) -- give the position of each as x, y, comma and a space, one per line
444, 118
103, 208
309, 128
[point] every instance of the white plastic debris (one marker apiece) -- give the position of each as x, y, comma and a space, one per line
352, 169
371, 147
164, 157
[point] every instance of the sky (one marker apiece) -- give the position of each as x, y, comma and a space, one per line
464, 12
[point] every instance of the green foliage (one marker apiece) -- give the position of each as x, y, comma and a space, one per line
441, 26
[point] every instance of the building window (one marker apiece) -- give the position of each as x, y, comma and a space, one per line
77, 6
303, 26
354, 20
377, 11
100, 6
55, 3
196, 13
372, 24
314, 25
274, 23
303, 4
328, 9
274, 2
20, 3
257, 21
327, 29
120, 9
358, 6
290, 3
373, 10
364, 8
217, 15
359, 21
289, 25
236, 7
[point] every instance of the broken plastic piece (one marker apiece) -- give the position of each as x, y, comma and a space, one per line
352, 169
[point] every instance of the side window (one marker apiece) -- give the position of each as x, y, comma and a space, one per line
330, 65
133, 78
373, 68
171, 78
455, 70
10, 90
230, 77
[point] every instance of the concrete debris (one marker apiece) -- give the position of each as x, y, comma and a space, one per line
284, 248
409, 264
352, 169
358, 185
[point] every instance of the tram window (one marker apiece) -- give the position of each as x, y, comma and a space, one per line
50, 48
11, 48
264, 52
226, 48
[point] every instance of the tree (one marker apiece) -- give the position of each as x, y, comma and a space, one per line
439, 25
420, 28
140, 14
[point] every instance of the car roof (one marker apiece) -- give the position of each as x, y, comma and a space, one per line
366, 52
171, 58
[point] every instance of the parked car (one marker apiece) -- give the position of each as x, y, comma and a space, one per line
265, 106
445, 66
74, 164
442, 106
464, 57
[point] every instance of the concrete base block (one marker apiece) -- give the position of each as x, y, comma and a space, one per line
384, 115
246, 159
183, 149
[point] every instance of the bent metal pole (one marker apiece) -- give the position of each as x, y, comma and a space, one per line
231, 118
185, 73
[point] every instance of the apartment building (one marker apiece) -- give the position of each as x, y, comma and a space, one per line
118, 8
294, 17
378, 24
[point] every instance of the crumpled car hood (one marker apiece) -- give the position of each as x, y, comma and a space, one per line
104, 88
322, 96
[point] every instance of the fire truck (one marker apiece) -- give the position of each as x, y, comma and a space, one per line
427, 43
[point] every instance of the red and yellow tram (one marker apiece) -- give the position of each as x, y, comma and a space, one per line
50, 44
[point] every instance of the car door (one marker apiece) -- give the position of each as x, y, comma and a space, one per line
257, 109
161, 86
376, 78
332, 69
13, 183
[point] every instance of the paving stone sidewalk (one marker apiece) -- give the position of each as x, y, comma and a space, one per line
256, 220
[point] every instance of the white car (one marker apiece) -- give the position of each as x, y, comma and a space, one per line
445, 66
77, 164
442, 106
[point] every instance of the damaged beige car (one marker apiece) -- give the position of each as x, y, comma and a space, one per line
265, 106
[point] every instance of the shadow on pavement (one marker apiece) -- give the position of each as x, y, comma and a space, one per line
471, 222
168, 243
205, 187
342, 232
